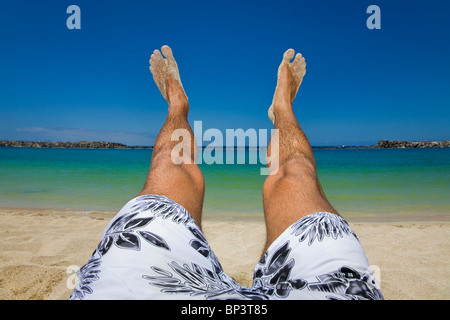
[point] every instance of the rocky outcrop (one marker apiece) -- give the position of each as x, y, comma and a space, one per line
413, 144
59, 144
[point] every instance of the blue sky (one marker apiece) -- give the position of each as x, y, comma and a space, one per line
94, 84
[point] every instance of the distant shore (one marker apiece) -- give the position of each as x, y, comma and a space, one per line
68, 145
382, 144
396, 144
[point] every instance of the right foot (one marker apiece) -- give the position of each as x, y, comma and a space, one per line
290, 76
167, 77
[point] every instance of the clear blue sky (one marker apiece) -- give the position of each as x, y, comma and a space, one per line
94, 84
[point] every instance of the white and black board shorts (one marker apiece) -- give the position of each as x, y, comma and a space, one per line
153, 249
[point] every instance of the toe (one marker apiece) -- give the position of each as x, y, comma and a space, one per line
303, 67
167, 51
298, 59
156, 57
157, 53
303, 64
299, 62
288, 55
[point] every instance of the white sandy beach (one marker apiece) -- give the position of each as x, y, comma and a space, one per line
37, 248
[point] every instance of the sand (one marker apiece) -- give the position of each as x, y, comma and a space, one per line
39, 249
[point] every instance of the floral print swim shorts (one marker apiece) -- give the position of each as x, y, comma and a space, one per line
153, 249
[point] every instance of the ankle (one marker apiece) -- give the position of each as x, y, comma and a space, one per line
178, 109
281, 108
282, 99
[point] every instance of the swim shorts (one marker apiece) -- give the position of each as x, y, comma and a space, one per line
153, 249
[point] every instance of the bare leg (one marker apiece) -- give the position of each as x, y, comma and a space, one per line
294, 191
183, 183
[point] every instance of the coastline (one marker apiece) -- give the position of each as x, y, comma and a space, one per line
68, 145
40, 247
381, 144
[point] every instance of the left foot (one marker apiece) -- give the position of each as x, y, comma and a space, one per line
167, 77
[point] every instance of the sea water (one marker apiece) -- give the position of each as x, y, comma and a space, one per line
362, 184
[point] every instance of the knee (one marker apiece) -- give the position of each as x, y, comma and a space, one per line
296, 170
300, 165
161, 156
165, 176
162, 161
297, 166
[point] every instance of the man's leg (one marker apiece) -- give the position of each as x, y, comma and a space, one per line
183, 183
294, 191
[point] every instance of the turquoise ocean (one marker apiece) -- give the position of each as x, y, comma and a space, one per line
362, 184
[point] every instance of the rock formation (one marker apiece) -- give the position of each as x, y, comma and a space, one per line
412, 144
59, 144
